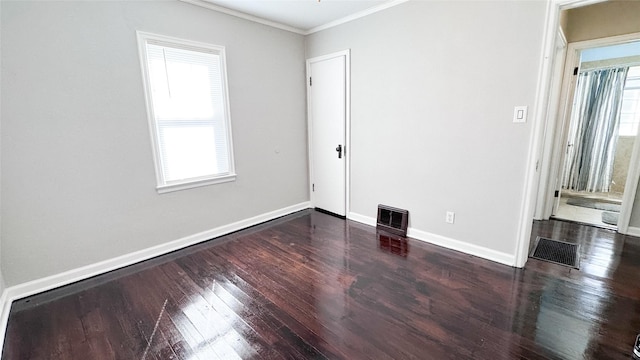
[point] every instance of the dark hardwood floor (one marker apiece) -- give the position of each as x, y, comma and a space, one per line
311, 286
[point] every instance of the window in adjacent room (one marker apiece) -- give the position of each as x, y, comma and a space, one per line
630, 112
187, 103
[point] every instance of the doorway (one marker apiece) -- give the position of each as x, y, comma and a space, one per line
542, 175
328, 116
599, 136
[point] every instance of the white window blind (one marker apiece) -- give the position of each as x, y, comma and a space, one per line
188, 112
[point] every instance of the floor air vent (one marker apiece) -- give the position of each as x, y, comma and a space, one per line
392, 220
557, 252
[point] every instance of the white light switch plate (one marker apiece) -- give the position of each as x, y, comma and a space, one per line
520, 114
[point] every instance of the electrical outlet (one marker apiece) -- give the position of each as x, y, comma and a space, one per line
450, 217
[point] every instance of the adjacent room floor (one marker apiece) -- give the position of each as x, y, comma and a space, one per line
312, 286
583, 214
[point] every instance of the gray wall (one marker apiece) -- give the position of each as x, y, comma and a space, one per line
433, 89
78, 183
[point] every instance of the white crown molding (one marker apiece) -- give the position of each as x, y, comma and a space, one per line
358, 15
292, 29
245, 16
449, 243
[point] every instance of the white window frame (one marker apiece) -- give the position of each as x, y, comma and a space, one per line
636, 112
164, 186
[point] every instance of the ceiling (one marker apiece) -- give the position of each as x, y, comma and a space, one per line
301, 16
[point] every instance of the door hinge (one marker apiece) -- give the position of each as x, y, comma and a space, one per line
313, 187
310, 82
557, 193
575, 71
537, 164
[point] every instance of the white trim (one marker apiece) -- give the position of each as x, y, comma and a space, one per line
631, 185
347, 133
630, 189
367, 220
245, 16
162, 185
531, 178
293, 29
5, 308
358, 15
462, 246
449, 243
562, 37
606, 41
633, 231
197, 183
347, 123
309, 133
561, 123
50, 282
545, 199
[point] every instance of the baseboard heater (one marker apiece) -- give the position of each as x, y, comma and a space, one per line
392, 220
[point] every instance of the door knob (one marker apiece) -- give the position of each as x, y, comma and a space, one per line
339, 150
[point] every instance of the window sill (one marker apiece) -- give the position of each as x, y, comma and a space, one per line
194, 183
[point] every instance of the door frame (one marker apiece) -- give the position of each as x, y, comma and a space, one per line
536, 138
631, 184
347, 123
561, 134
544, 203
562, 126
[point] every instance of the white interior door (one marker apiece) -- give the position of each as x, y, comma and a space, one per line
548, 174
327, 102
562, 132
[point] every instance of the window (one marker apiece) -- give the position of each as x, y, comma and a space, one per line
187, 103
630, 112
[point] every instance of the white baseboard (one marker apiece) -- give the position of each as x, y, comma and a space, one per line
462, 246
633, 231
449, 243
40, 285
16, 292
5, 307
361, 219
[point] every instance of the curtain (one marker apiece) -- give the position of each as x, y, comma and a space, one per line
593, 133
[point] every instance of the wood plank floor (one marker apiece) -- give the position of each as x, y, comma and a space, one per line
311, 286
